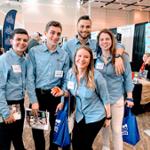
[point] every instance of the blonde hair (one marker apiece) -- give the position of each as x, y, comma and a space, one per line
90, 69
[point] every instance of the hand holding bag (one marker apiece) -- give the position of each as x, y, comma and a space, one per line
130, 130
61, 135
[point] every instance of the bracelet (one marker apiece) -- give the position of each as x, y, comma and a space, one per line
118, 55
108, 118
63, 93
130, 99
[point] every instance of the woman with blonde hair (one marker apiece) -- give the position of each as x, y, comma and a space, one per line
92, 100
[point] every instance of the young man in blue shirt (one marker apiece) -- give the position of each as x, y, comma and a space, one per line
47, 68
12, 90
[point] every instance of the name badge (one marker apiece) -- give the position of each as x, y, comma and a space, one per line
58, 73
70, 85
16, 68
100, 66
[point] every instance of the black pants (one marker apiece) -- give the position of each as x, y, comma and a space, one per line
12, 132
49, 103
84, 134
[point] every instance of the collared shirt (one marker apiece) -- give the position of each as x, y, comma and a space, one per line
46, 69
117, 84
73, 44
89, 102
12, 79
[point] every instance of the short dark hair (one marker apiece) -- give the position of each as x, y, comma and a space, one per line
85, 17
18, 31
53, 23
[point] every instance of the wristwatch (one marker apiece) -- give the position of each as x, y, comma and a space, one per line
118, 55
108, 118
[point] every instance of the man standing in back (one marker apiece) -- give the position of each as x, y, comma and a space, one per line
84, 27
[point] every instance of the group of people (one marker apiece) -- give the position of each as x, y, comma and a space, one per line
96, 73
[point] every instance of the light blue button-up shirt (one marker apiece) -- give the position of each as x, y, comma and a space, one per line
12, 80
46, 69
89, 102
73, 44
117, 84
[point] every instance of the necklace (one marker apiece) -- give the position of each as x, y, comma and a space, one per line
106, 56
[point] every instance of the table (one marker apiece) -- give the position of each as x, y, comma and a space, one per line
145, 94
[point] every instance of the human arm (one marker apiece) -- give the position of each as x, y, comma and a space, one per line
102, 91
4, 108
30, 81
119, 64
128, 85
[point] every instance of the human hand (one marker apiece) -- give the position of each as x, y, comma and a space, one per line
59, 106
119, 66
107, 123
35, 108
129, 103
10, 119
56, 91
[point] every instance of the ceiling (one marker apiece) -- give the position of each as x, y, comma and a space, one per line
129, 5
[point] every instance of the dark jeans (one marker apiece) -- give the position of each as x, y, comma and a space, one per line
84, 134
12, 132
49, 103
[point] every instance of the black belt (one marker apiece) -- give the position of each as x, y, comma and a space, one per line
43, 91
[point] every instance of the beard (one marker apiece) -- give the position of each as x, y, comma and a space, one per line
84, 38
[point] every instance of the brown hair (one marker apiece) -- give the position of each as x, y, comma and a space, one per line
53, 23
113, 47
90, 68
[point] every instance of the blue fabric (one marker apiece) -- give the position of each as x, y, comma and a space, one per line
42, 67
122, 83
129, 128
89, 102
8, 28
12, 82
61, 132
73, 44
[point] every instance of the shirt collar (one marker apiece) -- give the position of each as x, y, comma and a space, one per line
78, 42
13, 53
45, 48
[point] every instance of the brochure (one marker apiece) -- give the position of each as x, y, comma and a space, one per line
39, 121
15, 110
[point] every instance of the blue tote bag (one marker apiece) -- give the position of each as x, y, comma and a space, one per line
61, 135
130, 130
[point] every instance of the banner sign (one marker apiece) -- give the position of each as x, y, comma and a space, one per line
8, 28
147, 38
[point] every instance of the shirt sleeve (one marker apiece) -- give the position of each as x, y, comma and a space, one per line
119, 45
101, 88
31, 75
4, 108
128, 85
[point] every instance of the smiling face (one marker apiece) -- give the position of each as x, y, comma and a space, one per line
53, 35
105, 41
19, 43
84, 28
82, 59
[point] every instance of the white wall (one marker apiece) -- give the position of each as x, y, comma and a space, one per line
34, 17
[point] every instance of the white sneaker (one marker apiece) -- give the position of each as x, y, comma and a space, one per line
105, 148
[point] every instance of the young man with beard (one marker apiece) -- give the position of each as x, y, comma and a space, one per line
12, 91
47, 68
84, 26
